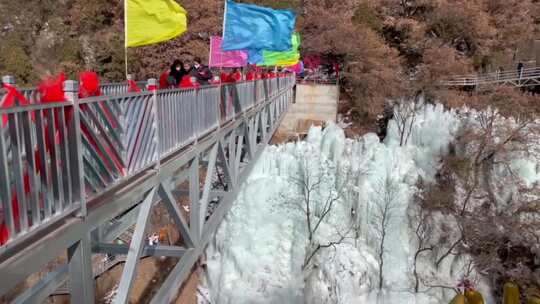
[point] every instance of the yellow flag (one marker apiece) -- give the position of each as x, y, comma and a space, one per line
153, 21
286, 63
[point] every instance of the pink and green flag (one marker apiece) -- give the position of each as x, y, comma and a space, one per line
225, 59
286, 58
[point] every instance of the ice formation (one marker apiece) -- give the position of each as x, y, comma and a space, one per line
259, 250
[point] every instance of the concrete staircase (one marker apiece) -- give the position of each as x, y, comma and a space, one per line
314, 105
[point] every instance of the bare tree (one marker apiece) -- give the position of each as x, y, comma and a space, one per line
405, 116
418, 219
385, 210
488, 222
319, 194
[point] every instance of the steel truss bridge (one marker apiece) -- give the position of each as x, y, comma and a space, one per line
75, 175
524, 78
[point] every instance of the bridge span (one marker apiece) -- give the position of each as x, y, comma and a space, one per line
76, 175
525, 78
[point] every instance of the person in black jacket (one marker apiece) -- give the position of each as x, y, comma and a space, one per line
201, 72
520, 69
176, 73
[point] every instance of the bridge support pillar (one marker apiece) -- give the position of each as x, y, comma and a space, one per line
80, 272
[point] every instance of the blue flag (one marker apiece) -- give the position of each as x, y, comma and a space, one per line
255, 56
249, 26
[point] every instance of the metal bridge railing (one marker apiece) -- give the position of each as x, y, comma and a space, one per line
119, 88
518, 78
246, 95
107, 89
36, 181
317, 81
55, 157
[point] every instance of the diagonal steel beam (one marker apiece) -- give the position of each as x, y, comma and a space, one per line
195, 224
225, 164
231, 146
181, 223
248, 129
238, 157
135, 250
208, 183
262, 123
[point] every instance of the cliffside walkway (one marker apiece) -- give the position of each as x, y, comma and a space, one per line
76, 175
525, 78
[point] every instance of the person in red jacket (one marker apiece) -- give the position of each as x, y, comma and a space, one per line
250, 76
189, 81
164, 80
236, 75
225, 77
89, 84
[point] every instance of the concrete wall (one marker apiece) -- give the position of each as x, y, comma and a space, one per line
315, 104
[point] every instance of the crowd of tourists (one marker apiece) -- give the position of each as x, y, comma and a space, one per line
189, 74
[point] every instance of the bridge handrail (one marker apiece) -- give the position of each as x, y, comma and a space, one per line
55, 157
494, 77
112, 88
505, 72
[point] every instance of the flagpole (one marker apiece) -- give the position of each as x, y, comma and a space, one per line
224, 20
126, 61
222, 38
220, 60
210, 55
125, 38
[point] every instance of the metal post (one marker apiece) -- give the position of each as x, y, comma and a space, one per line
152, 84
195, 224
71, 89
8, 79
80, 271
